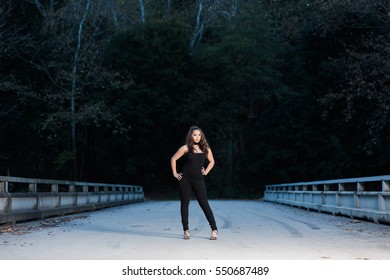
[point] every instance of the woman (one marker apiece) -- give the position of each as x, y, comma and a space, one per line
196, 151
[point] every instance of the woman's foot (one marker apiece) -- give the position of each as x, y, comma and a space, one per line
214, 234
187, 234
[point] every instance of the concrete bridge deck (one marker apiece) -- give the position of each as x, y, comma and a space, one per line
152, 231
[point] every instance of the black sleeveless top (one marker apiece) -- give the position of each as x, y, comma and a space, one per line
193, 165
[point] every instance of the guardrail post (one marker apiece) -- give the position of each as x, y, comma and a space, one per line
72, 188
54, 188
381, 203
131, 190
385, 186
338, 199
356, 199
38, 203
341, 187
8, 204
360, 187
2, 187
326, 188
32, 187
85, 188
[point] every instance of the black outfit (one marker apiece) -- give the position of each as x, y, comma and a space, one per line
193, 179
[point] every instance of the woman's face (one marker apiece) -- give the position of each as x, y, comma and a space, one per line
196, 136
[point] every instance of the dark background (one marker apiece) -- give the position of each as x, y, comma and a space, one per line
285, 91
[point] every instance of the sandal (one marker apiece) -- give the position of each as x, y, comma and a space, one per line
214, 234
187, 234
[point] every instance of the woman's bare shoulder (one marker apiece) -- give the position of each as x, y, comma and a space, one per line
183, 149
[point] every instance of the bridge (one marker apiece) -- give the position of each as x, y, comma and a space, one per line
365, 198
28, 198
151, 230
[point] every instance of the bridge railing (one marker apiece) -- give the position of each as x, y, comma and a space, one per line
365, 197
27, 198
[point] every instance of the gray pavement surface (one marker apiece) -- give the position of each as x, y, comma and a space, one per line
248, 230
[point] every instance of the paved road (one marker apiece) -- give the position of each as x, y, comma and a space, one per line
152, 230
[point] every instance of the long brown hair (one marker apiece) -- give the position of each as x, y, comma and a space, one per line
203, 144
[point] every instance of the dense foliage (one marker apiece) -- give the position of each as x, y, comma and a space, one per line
105, 91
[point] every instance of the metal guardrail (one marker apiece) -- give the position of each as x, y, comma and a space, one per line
26, 198
365, 197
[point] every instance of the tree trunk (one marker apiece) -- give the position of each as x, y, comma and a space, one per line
168, 9
142, 8
198, 32
74, 89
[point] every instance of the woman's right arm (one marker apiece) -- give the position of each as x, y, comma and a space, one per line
182, 150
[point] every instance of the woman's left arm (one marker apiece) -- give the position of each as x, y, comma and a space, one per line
210, 158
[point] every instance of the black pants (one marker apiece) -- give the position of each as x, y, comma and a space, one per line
199, 188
